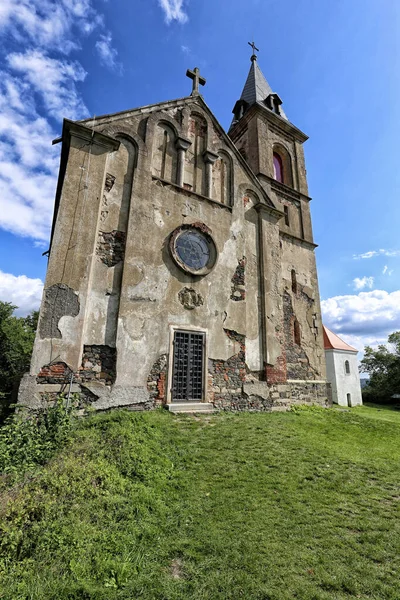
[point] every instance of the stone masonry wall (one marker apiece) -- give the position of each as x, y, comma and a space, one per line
225, 378
99, 363
111, 247
156, 381
297, 362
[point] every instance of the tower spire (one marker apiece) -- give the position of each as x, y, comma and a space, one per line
257, 91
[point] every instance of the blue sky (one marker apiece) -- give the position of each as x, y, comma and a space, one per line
334, 64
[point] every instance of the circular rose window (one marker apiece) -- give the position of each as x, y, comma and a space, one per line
193, 249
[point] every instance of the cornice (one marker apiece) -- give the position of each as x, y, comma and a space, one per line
290, 236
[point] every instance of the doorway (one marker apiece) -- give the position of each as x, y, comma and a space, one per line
349, 400
188, 366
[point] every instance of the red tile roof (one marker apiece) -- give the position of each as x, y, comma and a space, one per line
334, 342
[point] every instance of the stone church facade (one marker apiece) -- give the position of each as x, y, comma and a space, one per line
181, 267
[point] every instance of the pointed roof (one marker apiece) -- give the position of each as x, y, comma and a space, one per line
257, 89
334, 342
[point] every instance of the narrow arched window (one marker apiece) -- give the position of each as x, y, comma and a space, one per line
296, 333
164, 162
278, 168
294, 282
347, 367
286, 212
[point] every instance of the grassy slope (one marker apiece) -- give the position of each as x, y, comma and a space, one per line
254, 506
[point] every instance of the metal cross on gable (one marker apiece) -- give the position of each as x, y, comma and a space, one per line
255, 49
197, 80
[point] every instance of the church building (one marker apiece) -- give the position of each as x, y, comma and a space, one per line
181, 265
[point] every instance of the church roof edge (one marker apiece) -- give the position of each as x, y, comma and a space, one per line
334, 342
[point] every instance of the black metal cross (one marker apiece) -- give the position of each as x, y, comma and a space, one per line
252, 44
197, 79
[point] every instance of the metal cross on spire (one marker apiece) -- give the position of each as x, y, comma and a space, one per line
255, 49
197, 80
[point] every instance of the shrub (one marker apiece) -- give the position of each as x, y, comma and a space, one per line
28, 440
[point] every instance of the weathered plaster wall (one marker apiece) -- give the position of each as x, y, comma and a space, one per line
68, 279
114, 294
304, 306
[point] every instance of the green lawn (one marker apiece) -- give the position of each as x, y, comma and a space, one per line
249, 506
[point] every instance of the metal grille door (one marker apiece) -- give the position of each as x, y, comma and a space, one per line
187, 376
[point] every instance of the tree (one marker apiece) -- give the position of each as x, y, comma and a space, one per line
383, 366
17, 335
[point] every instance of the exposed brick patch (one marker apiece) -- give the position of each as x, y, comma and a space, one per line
202, 226
277, 373
198, 126
99, 363
157, 380
238, 291
246, 200
58, 372
111, 247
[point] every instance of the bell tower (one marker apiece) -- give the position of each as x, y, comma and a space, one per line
273, 148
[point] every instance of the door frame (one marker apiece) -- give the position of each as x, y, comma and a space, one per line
188, 329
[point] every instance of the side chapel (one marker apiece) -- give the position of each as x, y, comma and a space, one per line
181, 265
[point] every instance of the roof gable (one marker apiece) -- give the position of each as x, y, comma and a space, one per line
334, 342
196, 100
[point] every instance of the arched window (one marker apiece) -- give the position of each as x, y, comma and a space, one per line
347, 367
296, 332
221, 174
195, 168
286, 211
294, 281
282, 164
278, 168
165, 154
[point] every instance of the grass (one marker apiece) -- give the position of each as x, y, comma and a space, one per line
250, 506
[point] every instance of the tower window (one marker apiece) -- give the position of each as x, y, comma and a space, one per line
278, 168
296, 333
347, 367
294, 282
286, 211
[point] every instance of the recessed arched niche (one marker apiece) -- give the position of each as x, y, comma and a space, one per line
164, 162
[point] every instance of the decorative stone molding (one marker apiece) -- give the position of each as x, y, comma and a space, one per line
190, 299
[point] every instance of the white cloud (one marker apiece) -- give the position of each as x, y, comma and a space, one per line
53, 80
363, 282
387, 271
365, 318
380, 252
173, 10
185, 49
48, 23
28, 162
38, 84
21, 291
108, 54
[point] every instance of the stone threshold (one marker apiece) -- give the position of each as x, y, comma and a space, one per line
190, 407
